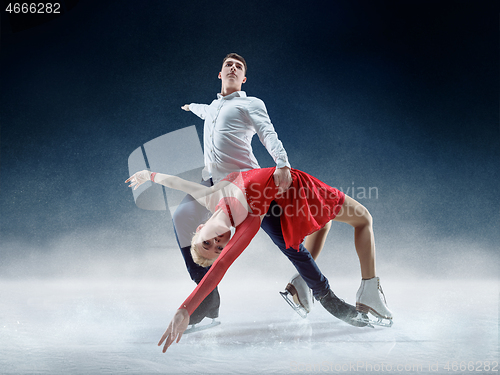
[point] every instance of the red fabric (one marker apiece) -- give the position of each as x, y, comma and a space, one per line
307, 206
244, 234
230, 204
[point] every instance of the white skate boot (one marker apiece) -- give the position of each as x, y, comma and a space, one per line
298, 295
371, 299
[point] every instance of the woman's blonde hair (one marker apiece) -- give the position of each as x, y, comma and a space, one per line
197, 258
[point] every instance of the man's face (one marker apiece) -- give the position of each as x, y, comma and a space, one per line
233, 73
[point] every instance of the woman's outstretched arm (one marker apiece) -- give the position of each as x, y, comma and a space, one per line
197, 191
192, 188
244, 234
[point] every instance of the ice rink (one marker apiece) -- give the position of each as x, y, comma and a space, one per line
393, 102
112, 326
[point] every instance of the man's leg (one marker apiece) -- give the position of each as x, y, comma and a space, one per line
186, 219
307, 268
302, 259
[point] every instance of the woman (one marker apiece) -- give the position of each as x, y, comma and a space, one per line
241, 200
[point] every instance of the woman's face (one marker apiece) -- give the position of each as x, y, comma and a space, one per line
212, 242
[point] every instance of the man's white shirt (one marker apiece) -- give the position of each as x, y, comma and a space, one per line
230, 123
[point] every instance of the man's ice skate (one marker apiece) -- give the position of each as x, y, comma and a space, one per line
201, 327
209, 308
370, 299
298, 295
341, 309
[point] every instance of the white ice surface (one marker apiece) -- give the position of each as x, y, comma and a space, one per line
112, 326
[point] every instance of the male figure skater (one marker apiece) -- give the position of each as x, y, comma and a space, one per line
230, 123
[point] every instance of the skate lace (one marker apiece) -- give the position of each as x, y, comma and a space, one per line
381, 292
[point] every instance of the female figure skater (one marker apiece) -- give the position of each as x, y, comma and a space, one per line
241, 200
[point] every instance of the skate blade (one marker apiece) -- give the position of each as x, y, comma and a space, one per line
198, 328
299, 309
381, 322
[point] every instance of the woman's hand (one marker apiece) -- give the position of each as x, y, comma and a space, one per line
139, 178
175, 329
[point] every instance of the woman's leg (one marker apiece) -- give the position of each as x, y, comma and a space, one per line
356, 215
314, 242
370, 298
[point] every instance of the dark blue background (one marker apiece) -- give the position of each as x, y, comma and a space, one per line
398, 95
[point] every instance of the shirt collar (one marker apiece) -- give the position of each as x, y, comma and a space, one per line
241, 94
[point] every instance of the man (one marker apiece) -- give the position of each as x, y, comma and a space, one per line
230, 123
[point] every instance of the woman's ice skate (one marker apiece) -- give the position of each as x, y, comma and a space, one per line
298, 295
371, 299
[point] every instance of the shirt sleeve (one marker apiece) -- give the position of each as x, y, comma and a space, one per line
244, 234
267, 135
199, 110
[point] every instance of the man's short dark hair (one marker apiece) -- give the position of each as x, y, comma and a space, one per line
236, 57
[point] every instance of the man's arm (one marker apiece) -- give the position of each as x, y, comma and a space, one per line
199, 110
265, 130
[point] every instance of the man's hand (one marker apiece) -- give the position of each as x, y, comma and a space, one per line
282, 179
185, 107
175, 329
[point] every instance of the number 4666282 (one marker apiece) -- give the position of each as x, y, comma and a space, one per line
33, 8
